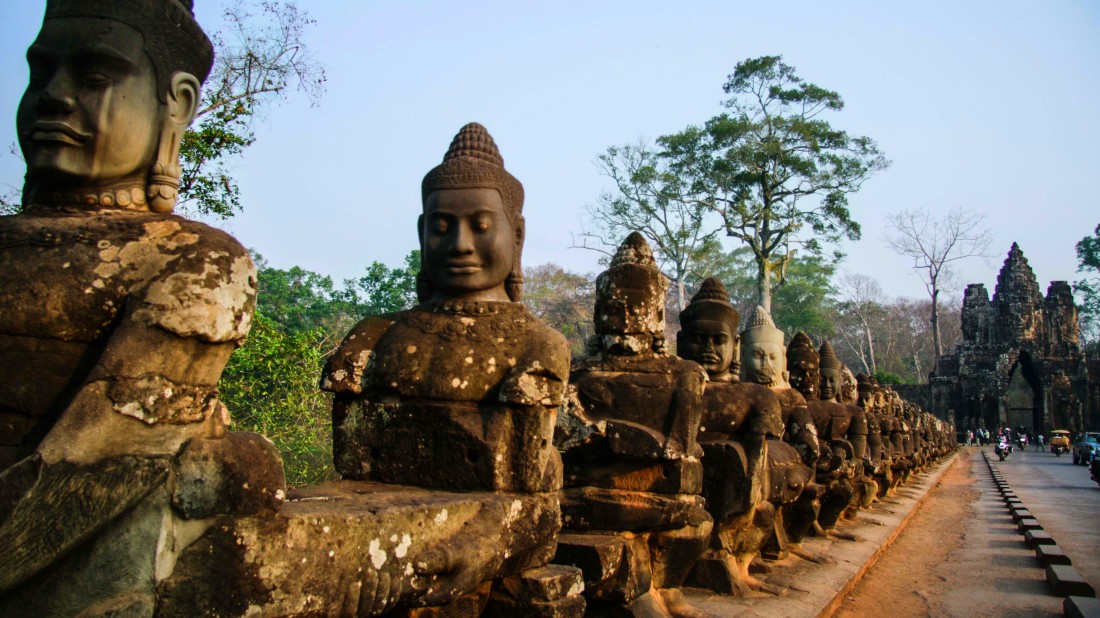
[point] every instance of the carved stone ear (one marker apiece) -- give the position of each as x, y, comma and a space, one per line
164, 178
183, 98
521, 230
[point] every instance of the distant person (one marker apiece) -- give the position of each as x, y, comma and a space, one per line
1039, 442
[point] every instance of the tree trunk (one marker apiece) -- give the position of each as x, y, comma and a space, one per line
764, 286
937, 346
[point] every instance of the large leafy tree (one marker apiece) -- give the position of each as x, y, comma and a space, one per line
1088, 256
773, 167
805, 300
260, 56
652, 196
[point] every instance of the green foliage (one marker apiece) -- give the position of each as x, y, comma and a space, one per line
382, 289
270, 387
206, 185
258, 56
270, 383
1088, 289
773, 168
886, 377
804, 300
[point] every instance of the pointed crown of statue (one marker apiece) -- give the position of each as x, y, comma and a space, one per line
633, 267
474, 162
711, 302
865, 384
173, 39
761, 329
828, 358
801, 350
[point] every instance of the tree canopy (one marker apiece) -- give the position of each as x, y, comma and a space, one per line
771, 172
1088, 257
259, 55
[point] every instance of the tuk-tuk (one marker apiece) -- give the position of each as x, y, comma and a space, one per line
1059, 442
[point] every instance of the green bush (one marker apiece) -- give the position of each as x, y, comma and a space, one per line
270, 387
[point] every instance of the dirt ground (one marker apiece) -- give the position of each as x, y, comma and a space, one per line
960, 555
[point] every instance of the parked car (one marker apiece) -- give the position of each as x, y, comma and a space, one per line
1059, 442
1087, 446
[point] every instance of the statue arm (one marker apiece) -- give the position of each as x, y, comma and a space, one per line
149, 393
154, 386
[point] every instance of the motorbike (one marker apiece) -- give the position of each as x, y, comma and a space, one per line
1002, 449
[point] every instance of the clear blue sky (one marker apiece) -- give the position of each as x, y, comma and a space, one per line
991, 105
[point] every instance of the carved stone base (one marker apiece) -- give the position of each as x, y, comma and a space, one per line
358, 548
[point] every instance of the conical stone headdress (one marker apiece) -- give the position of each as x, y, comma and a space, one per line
761, 329
632, 268
828, 357
474, 162
712, 301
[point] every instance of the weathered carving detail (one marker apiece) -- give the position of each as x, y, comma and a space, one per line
629, 433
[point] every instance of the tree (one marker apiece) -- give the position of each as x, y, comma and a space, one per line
270, 387
382, 289
805, 300
259, 56
650, 197
862, 311
772, 167
565, 300
1088, 257
934, 245
10, 195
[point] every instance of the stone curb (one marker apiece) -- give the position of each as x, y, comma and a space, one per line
818, 590
1062, 579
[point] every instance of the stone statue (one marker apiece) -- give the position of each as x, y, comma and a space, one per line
837, 465
838, 385
737, 421
461, 391
792, 491
629, 440
116, 320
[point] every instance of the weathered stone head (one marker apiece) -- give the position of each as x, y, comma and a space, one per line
630, 301
804, 366
472, 229
763, 357
708, 332
849, 389
866, 392
113, 85
832, 378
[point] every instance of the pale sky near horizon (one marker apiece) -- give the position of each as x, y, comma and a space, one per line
986, 105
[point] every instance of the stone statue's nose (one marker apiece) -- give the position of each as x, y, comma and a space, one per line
56, 97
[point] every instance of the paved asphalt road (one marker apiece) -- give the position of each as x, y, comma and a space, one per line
1064, 500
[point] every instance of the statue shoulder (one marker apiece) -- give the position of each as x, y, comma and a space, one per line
345, 369
189, 278
542, 370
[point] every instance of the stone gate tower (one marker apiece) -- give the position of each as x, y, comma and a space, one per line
1018, 329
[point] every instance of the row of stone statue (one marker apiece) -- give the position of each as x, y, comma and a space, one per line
483, 471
